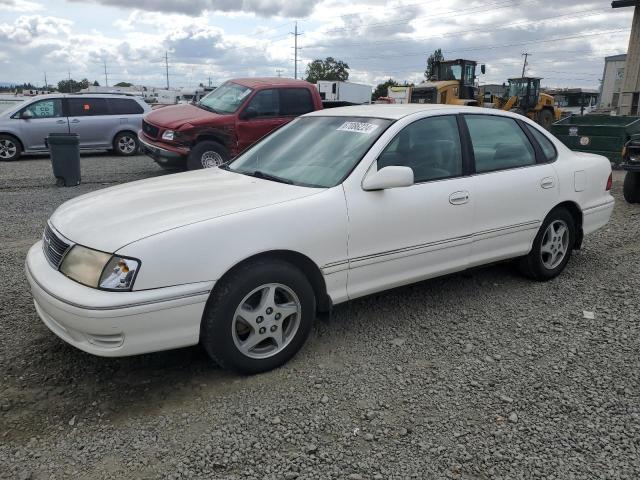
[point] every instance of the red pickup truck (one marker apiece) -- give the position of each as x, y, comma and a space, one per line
225, 122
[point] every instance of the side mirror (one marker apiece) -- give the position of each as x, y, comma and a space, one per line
26, 115
249, 113
483, 68
388, 177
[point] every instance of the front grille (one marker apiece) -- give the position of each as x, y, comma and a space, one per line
150, 130
54, 247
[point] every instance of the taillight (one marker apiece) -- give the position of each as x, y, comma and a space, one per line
609, 181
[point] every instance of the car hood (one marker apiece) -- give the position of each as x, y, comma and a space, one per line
111, 218
174, 116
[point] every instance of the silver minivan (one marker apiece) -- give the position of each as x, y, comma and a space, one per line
108, 122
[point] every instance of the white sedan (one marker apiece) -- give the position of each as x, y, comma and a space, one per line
338, 204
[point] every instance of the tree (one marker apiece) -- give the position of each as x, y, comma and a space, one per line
327, 69
123, 84
84, 83
382, 88
69, 86
432, 64
95, 83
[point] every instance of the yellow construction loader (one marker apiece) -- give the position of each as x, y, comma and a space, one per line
524, 97
454, 84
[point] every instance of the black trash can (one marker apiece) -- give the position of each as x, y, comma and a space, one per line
65, 158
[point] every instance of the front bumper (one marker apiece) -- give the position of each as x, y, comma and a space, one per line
115, 324
164, 155
630, 167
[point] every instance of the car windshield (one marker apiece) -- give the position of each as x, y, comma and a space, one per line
227, 98
312, 151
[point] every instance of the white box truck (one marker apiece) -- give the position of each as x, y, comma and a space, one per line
344, 93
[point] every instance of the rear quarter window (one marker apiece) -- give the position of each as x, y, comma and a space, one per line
295, 101
124, 106
548, 150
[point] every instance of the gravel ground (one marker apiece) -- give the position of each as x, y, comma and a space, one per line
480, 375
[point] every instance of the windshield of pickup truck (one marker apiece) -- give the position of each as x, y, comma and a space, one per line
227, 98
311, 151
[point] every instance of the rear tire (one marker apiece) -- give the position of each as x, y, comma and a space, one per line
207, 154
551, 248
631, 188
545, 119
258, 317
126, 144
10, 148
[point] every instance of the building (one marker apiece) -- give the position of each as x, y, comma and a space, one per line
629, 97
612, 81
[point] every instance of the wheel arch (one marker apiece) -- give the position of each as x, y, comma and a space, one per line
212, 137
301, 261
576, 212
124, 130
13, 135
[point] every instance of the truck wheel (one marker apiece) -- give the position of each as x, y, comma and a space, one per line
10, 148
631, 188
207, 154
125, 144
551, 248
258, 317
545, 119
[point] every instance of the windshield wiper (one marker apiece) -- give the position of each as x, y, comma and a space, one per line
205, 107
268, 176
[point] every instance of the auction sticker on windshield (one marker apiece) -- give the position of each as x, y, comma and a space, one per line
360, 127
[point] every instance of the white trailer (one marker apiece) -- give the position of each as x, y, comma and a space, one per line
346, 93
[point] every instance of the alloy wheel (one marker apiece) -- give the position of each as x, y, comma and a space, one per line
8, 149
126, 144
555, 244
266, 321
211, 159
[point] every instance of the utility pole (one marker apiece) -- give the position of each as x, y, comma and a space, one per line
209, 81
524, 66
166, 64
106, 79
45, 80
295, 50
279, 72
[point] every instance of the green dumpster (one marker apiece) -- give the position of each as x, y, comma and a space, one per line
602, 134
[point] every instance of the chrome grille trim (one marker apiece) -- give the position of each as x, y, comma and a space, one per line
54, 247
150, 130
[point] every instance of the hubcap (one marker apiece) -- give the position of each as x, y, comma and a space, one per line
555, 244
258, 334
127, 144
7, 148
211, 159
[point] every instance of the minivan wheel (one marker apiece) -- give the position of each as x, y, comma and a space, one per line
10, 148
551, 248
207, 154
125, 144
258, 317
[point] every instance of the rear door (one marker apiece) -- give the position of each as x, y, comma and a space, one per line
90, 118
515, 186
46, 116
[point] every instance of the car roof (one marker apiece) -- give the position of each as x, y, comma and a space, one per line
269, 81
81, 95
398, 111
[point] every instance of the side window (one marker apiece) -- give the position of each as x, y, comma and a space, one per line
295, 101
266, 103
124, 106
548, 150
430, 147
50, 108
86, 107
498, 143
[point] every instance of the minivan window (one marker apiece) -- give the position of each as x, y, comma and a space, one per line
87, 107
498, 143
548, 150
49, 108
124, 106
227, 98
295, 101
312, 151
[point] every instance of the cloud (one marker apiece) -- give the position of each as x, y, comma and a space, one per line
265, 8
20, 6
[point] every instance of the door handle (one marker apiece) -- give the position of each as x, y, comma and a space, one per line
75, 121
61, 122
547, 182
459, 198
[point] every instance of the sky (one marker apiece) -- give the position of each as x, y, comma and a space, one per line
214, 40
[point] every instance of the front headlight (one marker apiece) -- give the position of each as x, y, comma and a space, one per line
99, 269
168, 135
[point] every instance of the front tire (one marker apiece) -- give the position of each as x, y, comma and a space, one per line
258, 317
126, 144
552, 247
10, 148
207, 154
631, 188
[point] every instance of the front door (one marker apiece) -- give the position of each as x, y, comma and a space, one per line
45, 117
91, 120
402, 235
514, 188
260, 116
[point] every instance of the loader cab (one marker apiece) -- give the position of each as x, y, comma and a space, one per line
463, 71
527, 89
